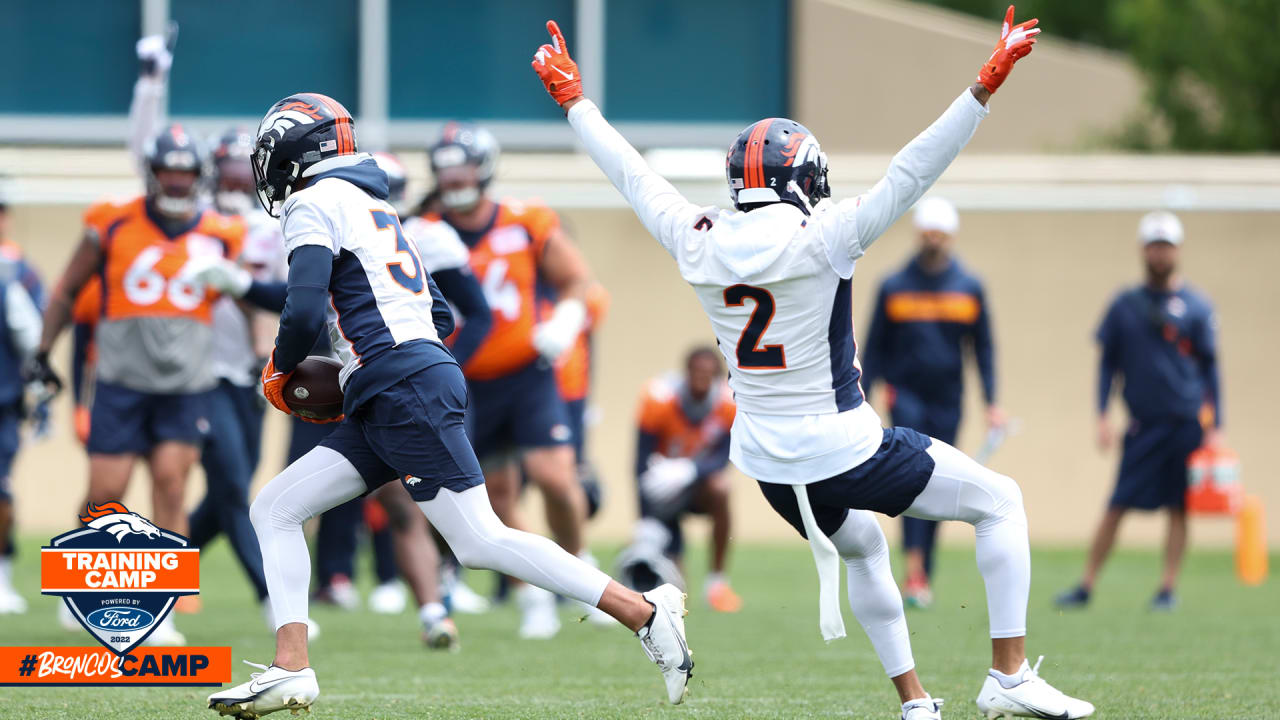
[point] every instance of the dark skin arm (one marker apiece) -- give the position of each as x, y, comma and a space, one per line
84, 262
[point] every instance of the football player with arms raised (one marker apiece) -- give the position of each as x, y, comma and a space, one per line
774, 277
352, 270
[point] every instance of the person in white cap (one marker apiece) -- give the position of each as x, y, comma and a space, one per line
1160, 337
925, 317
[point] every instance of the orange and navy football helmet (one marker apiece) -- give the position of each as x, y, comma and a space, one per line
462, 145
776, 160
301, 135
173, 148
233, 180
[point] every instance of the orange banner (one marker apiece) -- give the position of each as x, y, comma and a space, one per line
99, 666
72, 570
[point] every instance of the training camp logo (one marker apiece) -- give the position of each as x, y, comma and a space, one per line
119, 574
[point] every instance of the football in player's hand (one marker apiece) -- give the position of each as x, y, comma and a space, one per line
313, 390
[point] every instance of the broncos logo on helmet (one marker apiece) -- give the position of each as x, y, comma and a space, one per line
776, 160
118, 521
300, 136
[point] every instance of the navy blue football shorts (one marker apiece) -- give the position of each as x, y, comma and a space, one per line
1153, 467
518, 411
130, 422
888, 482
414, 431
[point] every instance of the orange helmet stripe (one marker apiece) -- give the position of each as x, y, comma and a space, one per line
753, 161
342, 124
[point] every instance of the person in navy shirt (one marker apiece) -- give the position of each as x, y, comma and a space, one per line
926, 315
1159, 338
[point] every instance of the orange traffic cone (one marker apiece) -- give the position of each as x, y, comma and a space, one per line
1251, 542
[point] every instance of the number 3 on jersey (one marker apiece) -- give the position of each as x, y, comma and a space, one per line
412, 282
750, 354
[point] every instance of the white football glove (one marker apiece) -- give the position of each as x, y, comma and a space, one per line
153, 53
222, 275
666, 478
555, 336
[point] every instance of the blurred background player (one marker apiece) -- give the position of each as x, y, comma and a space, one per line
1160, 339
927, 315
448, 260
242, 334
515, 405
574, 373
155, 336
19, 335
681, 453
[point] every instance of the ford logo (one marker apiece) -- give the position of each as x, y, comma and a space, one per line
120, 618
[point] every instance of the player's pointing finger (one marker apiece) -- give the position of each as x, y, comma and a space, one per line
557, 37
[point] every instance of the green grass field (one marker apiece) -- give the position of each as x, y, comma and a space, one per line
1216, 657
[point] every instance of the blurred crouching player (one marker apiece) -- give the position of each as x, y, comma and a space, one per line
925, 317
1160, 338
681, 454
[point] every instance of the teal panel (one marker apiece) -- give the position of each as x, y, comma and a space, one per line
67, 56
470, 60
237, 57
704, 61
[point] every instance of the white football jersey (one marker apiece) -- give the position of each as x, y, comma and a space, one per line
438, 244
378, 295
776, 285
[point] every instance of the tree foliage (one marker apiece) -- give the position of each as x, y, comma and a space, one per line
1212, 66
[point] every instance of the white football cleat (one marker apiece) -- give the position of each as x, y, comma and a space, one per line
166, 634
539, 619
268, 691
388, 598
11, 603
664, 641
462, 599
926, 708
1031, 697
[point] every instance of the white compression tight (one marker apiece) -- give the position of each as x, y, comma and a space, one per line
323, 478
959, 489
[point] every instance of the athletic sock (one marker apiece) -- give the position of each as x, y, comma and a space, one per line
432, 613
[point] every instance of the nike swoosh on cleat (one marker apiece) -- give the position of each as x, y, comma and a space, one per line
565, 75
1039, 712
256, 687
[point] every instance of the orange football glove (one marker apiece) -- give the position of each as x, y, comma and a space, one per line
558, 72
1015, 43
273, 382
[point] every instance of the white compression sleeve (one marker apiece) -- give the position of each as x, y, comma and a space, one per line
961, 489
479, 540
315, 482
873, 594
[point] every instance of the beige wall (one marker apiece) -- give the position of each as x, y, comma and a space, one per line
1048, 274
868, 74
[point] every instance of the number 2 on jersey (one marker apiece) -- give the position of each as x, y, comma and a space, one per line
750, 354
412, 282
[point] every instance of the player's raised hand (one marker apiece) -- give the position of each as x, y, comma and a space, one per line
557, 71
1015, 43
